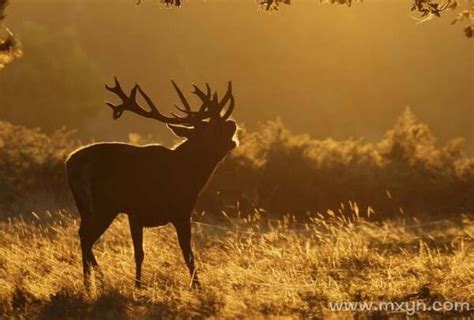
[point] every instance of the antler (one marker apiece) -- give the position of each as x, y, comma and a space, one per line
228, 96
210, 108
212, 104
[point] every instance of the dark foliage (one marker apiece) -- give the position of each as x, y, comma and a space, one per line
31, 168
406, 173
9, 46
426, 9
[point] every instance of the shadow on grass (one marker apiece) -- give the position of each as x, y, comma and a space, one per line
111, 304
66, 304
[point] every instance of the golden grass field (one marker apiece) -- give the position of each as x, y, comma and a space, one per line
249, 268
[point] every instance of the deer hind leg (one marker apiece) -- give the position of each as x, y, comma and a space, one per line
90, 231
183, 229
136, 230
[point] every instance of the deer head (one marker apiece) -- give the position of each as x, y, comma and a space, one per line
207, 124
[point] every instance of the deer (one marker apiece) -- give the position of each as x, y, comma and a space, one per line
153, 185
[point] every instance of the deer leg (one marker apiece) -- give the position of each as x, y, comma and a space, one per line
86, 249
183, 229
89, 232
86, 267
136, 230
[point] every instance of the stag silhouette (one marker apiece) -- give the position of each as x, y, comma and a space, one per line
153, 185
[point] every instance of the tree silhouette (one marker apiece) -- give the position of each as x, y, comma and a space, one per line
426, 9
433, 8
9, 46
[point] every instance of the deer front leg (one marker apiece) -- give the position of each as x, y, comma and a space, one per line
183, 229
136, 230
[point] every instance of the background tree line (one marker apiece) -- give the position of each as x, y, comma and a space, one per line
275, 172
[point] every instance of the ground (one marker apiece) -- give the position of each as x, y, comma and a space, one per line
254, 267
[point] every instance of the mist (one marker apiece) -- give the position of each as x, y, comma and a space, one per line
326, 70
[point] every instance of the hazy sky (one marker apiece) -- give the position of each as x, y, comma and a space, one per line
324, 69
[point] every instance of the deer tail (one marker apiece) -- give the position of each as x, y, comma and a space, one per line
80, 183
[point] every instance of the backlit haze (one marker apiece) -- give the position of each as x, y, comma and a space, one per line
326, 70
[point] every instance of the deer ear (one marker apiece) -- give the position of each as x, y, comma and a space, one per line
182, 132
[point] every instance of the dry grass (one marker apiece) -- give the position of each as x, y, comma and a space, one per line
249, 267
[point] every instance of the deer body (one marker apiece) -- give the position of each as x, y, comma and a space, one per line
162, 185
153, 185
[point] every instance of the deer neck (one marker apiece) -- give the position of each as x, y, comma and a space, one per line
199, 160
